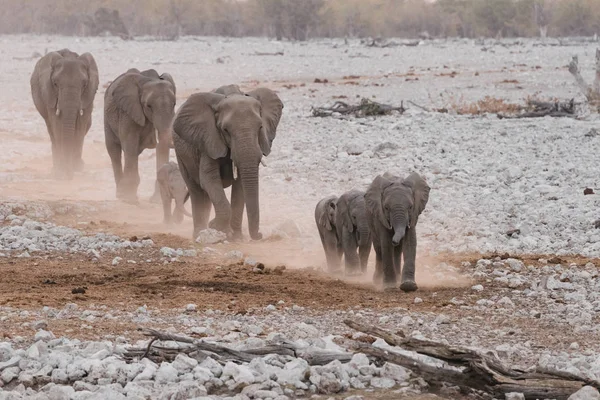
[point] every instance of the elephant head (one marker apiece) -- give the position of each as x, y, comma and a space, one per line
352, 216
68, 83
147, 97
241, 127
397, 203
327, 213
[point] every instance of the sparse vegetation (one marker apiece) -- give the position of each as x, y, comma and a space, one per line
299, 20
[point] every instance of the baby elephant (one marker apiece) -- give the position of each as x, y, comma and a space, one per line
325, 219
172, 187
353, 230
393, 208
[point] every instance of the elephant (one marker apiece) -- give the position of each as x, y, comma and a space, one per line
326, 224
220, 141
393, 209
172, 187
353, 230
137, 107
63, 87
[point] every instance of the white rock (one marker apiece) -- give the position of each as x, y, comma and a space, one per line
211, 236
239, 373
190, 307
43, 335
418, 300
184, 363
585, 393
166, 373
505, 302
477, 288
514, 396
304, 330
382, 383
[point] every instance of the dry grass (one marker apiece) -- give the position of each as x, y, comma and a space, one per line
488, 104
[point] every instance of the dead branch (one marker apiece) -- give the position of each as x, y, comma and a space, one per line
200, 350
470, 369
365, 108
591, 92
277, 53
538, 109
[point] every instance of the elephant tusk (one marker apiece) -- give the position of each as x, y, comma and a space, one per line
262, 161
235, 172
57, 112
81, 112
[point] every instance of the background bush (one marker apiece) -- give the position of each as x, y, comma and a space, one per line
302, 19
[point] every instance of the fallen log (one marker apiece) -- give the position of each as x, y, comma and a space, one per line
366, 108
196, 348
539, 109
470, 369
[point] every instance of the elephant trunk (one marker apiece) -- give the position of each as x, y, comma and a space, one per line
399, 224
69, 110
364, 235
249, 176
163, 125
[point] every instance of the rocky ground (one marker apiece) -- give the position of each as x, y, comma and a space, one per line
81, 274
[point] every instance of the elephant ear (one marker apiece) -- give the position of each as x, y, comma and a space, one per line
228, 90
271, 108
42, 79
196, 123
92, 84
343, 218
374, 200
167, 77
420, 190
127, 96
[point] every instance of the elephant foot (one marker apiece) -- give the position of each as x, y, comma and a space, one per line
79, 166
155, 198
408, 286
256, 236
237, 236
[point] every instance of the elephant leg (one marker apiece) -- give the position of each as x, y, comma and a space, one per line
210, 181
165, 196
162, 157
378, 274
333, 253
179, 207
78, 163
201, 206
397, 257
350, 246
114, 151
364, 251
237, 208
131, 175
410, 253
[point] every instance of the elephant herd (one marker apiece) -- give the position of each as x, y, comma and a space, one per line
384, 216
220, 139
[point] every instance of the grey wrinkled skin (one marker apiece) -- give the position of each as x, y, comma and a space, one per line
63, 87
353, 230
393, 208
219, 142
172, 187
325, 219
138, 107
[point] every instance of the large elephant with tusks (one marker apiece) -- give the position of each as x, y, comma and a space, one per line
63, 87
220, 140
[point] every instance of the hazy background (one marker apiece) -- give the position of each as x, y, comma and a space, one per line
303, 19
